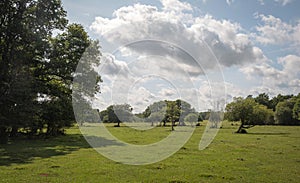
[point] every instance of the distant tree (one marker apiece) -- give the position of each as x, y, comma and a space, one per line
279, 98
172, 113
262, 115
284, 113
117, 114
263, 99
155, 117
296, 109
191, 118
204, 115
104, 116
184, 109
168, 112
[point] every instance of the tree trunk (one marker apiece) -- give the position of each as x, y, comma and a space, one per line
13, 132
3, 135
172, 124
240, 129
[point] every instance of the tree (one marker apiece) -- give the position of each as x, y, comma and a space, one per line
69, 50
172, 113
263, 99
185, 109
204, 115
155, 117
37, 69
25, 28
279, 98
158, 109
168, 112
284, 113
191, 118
248, 112
262, 115
296, 109
117, 114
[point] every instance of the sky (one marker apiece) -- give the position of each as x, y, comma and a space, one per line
202, 51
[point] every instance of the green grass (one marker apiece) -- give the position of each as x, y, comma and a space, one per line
265, 154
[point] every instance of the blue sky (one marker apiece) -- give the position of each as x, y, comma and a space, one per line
212, 50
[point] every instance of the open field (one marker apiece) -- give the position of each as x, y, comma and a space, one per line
265, 154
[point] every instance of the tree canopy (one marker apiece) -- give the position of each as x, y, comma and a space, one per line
37, 68
248, 112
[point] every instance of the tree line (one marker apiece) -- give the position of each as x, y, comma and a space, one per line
249, 111
37, 68
163, 112
261, 110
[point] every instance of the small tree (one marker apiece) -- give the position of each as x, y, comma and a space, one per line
155, 117
117, 114
172, 113
191, 118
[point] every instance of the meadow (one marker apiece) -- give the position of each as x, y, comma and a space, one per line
264, 154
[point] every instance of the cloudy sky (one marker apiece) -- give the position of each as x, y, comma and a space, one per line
201, 51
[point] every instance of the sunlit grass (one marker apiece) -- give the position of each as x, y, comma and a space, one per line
265, 154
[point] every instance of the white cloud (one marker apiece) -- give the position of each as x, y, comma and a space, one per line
140, 97
274, 31
285, 80
169, 93
110, 67
171, 44
229, 2
282, 2
261, 2
175, 5
204, 38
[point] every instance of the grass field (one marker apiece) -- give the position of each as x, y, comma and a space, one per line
265, 154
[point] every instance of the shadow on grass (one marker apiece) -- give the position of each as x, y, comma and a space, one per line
23, 151
267, 133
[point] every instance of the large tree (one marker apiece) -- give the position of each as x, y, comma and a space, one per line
37, 69
25, 28
248, 112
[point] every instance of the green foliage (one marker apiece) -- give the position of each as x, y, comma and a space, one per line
262, 115
279, 98
284, 113
263, 99
296, 109
173, 111
204, 116
117, 114
37, 69
248, 112
191, 118
155, 117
